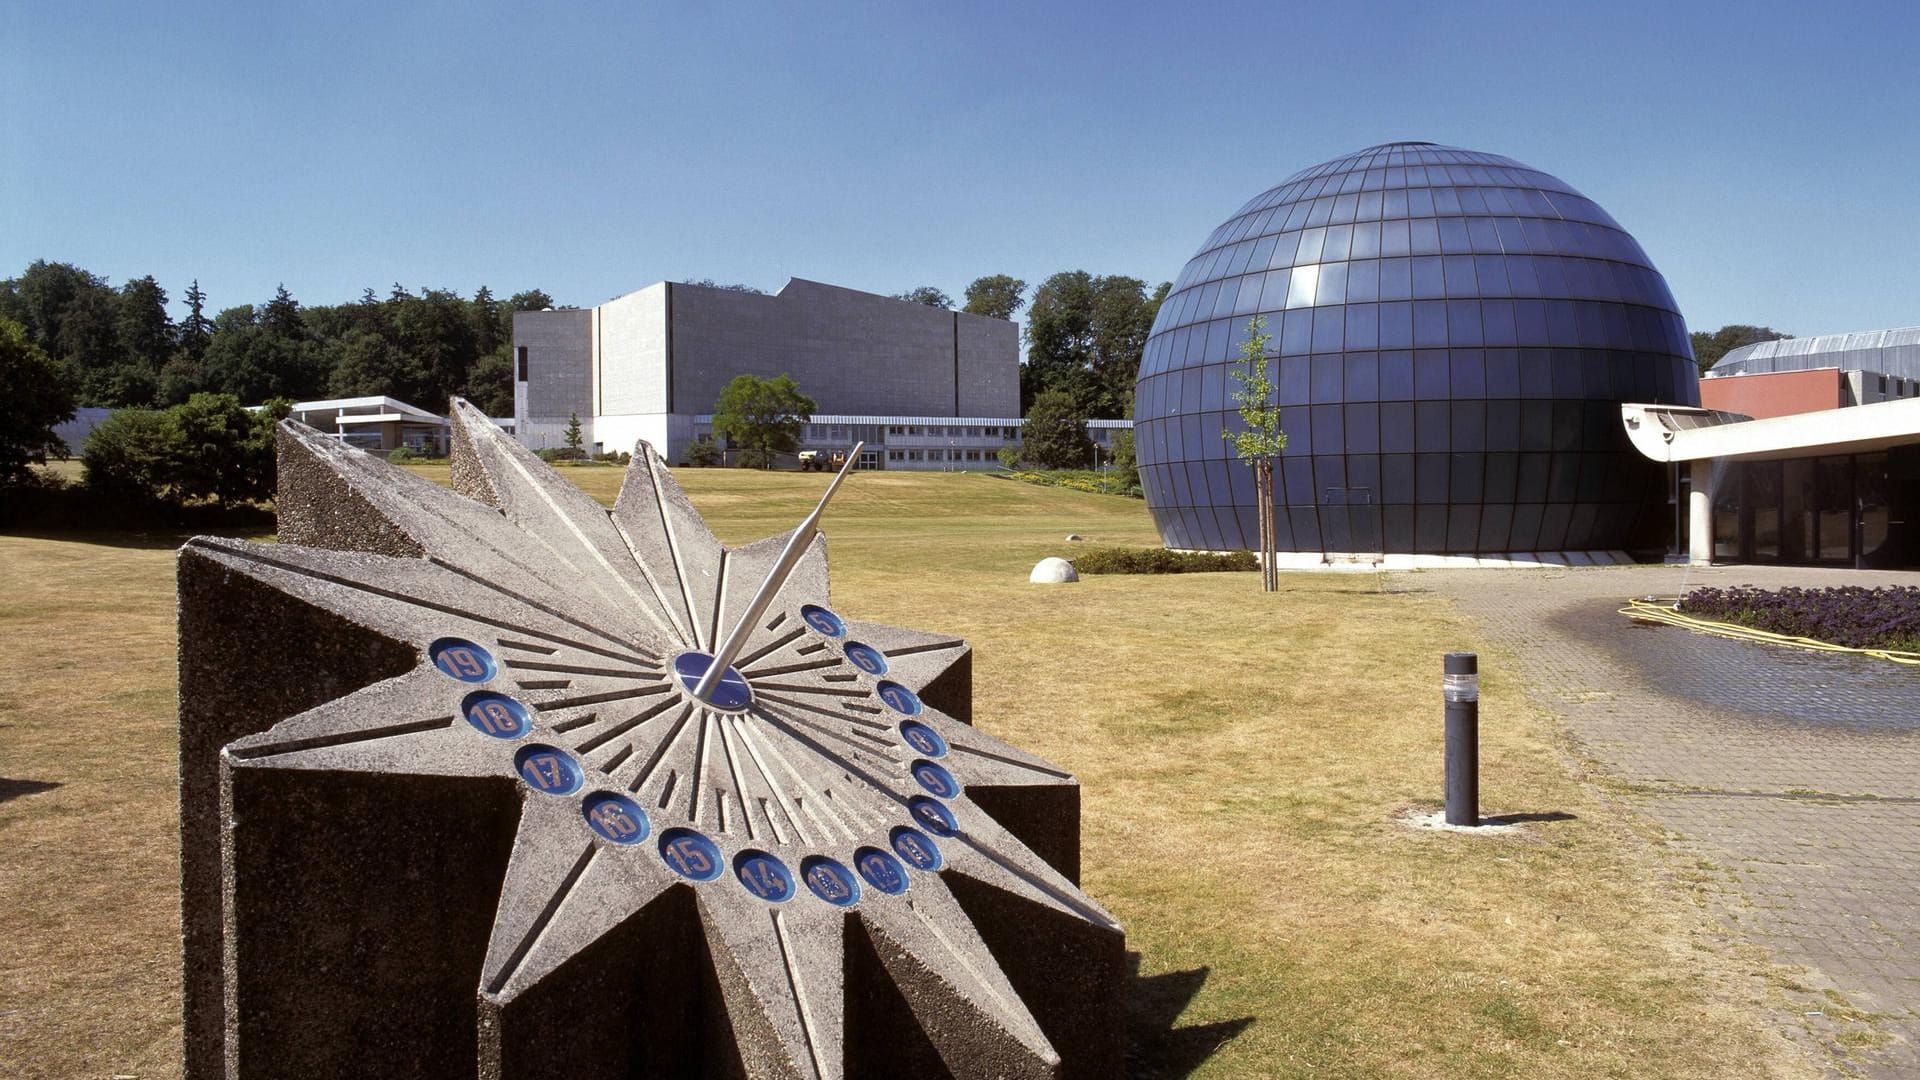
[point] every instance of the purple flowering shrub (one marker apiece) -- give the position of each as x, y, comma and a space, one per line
1859, 618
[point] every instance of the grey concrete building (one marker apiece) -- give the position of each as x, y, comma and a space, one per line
650, 364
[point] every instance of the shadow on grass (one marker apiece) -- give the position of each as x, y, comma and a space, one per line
1156, 1050
14, 789
1518, 819
77, 514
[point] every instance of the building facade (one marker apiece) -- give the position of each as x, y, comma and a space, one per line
929, 444
376, 423
1806, 451
1454, 333
651, 364
1829, 371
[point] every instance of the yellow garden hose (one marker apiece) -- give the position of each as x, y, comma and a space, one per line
1650, 609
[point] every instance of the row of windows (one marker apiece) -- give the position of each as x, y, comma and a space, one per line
1397, 427
1491, 529
1429, 324
1431, 277
1426, 236
1430, 374
1417, 204
954, 432
938, 455
1895, 388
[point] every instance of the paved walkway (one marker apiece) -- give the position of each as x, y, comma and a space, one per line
1795, 775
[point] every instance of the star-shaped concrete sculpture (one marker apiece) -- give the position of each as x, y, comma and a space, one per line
455, 802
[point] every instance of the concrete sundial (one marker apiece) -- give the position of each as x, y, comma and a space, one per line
457, 800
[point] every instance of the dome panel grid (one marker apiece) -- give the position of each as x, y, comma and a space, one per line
1452, 333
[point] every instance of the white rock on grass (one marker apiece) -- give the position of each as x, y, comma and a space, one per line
1052, 571
1074, 536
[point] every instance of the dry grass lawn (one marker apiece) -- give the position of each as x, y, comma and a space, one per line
1245, 760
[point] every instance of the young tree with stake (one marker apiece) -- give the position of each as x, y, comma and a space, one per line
1261, 441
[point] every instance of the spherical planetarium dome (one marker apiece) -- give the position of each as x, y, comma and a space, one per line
1453, 335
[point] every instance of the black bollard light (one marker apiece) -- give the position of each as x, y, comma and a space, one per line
1461, 687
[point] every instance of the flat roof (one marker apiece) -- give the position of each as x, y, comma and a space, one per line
379, 401
1681, 433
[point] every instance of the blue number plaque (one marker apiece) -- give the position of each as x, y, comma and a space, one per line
497, 715
915, 848
923, 738
822, 621
547, 770
764, 875
866, 658
899, 698
830, 881
881, 870
936, 780
933, 816
463, 660
615, 818
690, 854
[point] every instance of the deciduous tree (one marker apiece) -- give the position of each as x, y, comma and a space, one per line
1054, 435
1085, 335
1709, 347
213, 449
926, 294
709, 283
997, 296
1259, 439
762, 416
33, 400
490, 383
131, 456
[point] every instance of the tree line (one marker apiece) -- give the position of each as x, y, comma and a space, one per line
122, 348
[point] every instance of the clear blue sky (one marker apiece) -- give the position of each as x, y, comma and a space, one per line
1764, 155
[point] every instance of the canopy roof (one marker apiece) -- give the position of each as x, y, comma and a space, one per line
1679, 433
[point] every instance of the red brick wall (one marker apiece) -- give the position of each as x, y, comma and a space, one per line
1779, 393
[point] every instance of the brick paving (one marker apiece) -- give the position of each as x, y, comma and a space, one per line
1794, 775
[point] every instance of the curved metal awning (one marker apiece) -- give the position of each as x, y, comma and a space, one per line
1678, 433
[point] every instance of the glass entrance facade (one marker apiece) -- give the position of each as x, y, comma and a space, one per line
1841, 510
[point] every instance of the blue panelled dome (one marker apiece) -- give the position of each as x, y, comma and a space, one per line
1453, 334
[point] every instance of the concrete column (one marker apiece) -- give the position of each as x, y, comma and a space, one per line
1700, 515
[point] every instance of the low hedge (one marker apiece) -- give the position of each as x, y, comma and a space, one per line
1087, 480
1120, 560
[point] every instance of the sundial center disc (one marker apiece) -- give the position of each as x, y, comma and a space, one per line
730, 694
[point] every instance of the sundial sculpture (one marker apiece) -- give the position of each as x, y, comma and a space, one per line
457, 801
